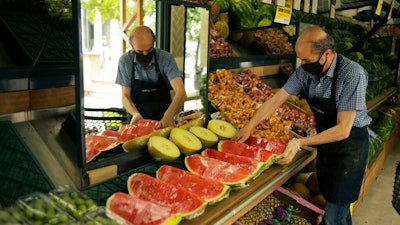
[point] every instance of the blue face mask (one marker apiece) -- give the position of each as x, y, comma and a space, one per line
314, 68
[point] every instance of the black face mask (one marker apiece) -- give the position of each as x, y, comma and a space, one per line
144, 59
314, 68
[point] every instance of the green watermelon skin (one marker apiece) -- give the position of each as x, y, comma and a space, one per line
141, 212
210, 190
181, 201
221, 171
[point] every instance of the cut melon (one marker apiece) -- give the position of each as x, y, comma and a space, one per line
252, 165
187, 142
193, 122
207, 137
162, 149
179, 200
136, 143
242, 149
221, 171
210, 190
138, 211
222, 129
141, 141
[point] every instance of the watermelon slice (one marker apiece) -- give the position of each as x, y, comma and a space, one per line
95, 144
254, 166
141, 212
129, 132
221, 171
181, 201
242, 149
276, 147
210, 190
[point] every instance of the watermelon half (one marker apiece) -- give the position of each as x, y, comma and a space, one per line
95, 144
242, 149
254, 166
276, 147
210, 190
141, 212
221, 171
181, 201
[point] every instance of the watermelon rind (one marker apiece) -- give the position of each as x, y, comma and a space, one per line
133, 209
193, 183
213, 170
167, 195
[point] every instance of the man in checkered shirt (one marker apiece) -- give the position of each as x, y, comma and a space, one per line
335, 89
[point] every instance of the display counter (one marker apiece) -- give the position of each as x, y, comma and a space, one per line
242, 200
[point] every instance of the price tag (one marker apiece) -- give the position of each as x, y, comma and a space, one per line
280, 2
267, 1
284, 13
379, 7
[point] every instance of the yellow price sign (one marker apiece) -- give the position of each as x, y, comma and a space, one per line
284, 13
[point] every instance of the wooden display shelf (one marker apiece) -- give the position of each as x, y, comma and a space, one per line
376, 102
374, 168
242, 200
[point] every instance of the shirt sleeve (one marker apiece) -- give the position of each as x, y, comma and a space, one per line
168, 65
295, 83
124, 72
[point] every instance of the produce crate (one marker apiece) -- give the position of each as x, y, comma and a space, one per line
301, 207
102, 119
20, 172
101, 191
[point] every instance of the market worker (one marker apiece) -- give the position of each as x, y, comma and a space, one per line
146, 75
335, 88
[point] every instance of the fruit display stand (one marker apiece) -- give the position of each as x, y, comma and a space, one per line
226, 211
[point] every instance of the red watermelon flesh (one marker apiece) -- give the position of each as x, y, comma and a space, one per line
181, 201
147, 123
270, 145
110, 133
141, 212
221, 171
210, 190
252, 165
242, 149
95, 144
129, 132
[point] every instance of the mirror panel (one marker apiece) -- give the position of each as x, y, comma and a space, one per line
101, 96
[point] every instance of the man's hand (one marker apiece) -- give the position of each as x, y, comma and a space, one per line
165, 122
242, 135
135, 118
292, 148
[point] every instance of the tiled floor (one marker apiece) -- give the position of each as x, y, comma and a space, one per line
377, 209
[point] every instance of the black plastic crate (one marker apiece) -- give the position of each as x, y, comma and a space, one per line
20, 172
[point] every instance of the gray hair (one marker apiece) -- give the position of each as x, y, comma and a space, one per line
322, 45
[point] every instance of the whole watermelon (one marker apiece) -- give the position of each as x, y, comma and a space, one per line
243, 14
224, 5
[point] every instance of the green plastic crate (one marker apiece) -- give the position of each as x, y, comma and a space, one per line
101, 191
20, 172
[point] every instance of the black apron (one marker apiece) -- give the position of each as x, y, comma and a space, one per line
151, 99
341, 164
